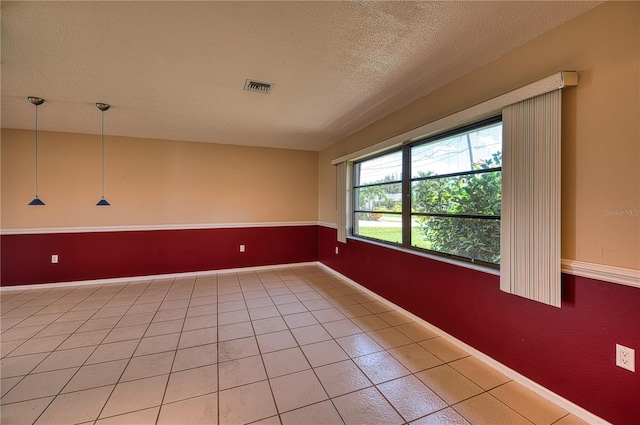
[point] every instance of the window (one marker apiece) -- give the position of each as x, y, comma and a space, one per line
452, 186
378, 198
449, 204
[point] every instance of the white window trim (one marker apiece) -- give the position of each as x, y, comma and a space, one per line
342, 199
475, 113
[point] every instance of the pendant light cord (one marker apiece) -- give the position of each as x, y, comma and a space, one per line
102, 133
103, 107
36, 150
36, 101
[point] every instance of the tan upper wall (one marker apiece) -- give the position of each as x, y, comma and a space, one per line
601, 127
152, 182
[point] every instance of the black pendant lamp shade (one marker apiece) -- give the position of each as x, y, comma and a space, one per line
36, 101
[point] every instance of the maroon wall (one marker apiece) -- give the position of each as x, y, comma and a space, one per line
26, 259
569, 350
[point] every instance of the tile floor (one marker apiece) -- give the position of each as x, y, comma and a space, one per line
280, 346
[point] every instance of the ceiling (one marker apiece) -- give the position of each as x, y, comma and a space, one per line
176, 70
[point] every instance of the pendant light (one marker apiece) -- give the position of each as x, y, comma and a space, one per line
37, 101
103, 107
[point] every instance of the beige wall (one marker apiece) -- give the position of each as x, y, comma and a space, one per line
601, 127
168, 182
152, 182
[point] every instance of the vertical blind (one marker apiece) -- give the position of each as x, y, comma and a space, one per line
530, 224
341, 201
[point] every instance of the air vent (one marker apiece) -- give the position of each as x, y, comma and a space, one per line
257, 86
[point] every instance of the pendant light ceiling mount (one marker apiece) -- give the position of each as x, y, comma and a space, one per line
103, 107
36, 101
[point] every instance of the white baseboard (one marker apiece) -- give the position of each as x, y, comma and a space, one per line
515, 376
152, 277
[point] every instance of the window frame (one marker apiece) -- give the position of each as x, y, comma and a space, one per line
407, 194
355, 194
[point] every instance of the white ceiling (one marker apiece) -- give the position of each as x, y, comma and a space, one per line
176, 70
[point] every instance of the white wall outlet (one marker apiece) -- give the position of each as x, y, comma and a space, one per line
54, 259
241, 248
626, 357
336, 250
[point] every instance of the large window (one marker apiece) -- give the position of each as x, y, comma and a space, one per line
441, 194
469, 193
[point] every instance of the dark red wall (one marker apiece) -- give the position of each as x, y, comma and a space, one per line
569, 350
26, 259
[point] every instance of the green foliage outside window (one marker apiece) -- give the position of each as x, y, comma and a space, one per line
473, 194
452, 191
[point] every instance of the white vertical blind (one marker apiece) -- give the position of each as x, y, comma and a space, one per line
530, 217
341, 201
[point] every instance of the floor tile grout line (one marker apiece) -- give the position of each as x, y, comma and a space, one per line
313, 369
72, 376
432, 413
44, 307
137, 345
559, 419
27, 301
468, 378
500, 401
412, 342
374, 385
47, 356
115, 416
264, 366
217, 350
386, 350
175, 354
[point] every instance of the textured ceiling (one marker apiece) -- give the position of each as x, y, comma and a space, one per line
176, 70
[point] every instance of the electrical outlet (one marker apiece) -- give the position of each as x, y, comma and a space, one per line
54, 259
336, 250
241, 248
626, 357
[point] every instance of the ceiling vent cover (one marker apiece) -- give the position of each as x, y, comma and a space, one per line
257, 86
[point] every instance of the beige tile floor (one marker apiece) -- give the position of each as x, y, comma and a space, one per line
279, 346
